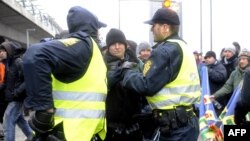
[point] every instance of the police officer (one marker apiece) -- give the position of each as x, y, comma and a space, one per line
170, 80
63, 86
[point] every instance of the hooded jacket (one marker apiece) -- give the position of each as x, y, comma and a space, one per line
80, 19
121, 104
14, 80
67, 61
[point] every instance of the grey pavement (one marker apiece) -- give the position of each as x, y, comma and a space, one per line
19, 134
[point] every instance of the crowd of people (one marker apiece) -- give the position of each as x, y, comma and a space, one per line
78, 90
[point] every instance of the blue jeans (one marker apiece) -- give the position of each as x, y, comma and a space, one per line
187, 133
12, 116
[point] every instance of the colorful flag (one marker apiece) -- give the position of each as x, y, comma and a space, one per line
210, 124
227, 115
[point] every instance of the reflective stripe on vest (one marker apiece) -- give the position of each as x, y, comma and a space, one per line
78, 96
81, 104
66, 113
185, 89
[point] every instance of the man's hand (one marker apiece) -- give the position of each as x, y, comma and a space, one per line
211, 97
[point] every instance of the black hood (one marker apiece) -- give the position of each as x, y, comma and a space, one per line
13, 49
80, 19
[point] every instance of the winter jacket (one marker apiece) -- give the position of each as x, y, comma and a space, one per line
2, 72
231, 84
14, 80
217, 74
121, 104
230, 64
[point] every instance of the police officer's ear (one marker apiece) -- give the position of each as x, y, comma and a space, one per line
166, 28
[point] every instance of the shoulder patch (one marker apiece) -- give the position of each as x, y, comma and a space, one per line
147, 66
69, 41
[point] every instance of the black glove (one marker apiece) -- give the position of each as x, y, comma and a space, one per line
239, 114
42, 122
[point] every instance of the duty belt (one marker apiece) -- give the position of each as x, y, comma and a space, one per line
173, 119
123, 129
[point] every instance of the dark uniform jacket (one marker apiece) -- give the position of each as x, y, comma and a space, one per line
66, 63
165, 60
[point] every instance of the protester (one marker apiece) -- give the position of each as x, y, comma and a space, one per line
144, 51
230, 59
217, 75
14, 91
122, 104
234, 79
3, 103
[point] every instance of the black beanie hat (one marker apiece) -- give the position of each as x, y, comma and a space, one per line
210, 54
114, 36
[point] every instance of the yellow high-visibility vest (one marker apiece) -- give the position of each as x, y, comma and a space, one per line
80, 105
185, 89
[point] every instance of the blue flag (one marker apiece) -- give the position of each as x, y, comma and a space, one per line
227, 115
210, 124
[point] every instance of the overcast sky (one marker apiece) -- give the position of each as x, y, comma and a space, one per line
58, 9
107, 11
230, 19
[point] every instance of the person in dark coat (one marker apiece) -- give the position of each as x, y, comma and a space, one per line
230, 60
121, 104
14, 91
217, 75
235, 78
